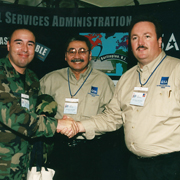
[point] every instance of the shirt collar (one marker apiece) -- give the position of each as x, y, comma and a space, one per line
152, 65
83, 75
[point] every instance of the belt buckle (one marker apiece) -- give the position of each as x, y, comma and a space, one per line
73, 143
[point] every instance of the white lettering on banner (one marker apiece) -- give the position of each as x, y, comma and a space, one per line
113, 56
3, 40
172, 43
107, 21
12, 18
57, 21
41, 50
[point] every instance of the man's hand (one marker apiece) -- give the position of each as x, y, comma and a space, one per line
79, 125
67, 126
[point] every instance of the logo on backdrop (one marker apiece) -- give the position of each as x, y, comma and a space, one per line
41, 51
109, 52
171, 44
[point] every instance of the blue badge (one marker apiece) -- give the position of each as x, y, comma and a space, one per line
94, 91
164, 82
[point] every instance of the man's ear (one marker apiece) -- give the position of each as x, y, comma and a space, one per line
8, 45
65, 57
160, 42
90, 55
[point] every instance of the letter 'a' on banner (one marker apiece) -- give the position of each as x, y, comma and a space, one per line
106, 28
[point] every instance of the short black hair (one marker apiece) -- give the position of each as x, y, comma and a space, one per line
149, 18
79, 38
9, 38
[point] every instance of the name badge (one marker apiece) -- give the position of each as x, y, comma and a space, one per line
139, 95
25, 101
71, 106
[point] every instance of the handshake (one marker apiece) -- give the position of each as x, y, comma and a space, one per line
69, 127
47, 106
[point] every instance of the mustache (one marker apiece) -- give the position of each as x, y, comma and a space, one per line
77, 60
141, 47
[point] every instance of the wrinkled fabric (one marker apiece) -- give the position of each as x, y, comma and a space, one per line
154, 128
17, 124
56, 84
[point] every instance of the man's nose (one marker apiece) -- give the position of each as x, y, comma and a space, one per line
141, 41
25, 47
76, 54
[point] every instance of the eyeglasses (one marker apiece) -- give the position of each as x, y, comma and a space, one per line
81, 52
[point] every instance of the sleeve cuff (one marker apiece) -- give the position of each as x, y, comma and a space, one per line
90, 130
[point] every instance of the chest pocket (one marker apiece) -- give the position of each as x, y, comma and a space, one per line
163, 101
91, 105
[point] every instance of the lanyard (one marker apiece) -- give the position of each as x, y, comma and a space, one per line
151, 73
80, 86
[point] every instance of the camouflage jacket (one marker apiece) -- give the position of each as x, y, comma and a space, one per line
18, 124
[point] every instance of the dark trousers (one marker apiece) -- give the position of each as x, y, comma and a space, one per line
98, 159
76, 160
115, 158
163, 167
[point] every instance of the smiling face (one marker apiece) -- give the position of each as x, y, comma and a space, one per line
79, 60
145, 45
21, 49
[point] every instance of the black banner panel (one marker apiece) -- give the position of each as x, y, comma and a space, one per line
106, 28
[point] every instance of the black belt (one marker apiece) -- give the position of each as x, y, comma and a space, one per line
77, 142
159, 157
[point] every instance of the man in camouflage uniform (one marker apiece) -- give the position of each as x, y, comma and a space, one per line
19, 88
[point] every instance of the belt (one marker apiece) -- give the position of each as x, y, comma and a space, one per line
159, 157
77, 142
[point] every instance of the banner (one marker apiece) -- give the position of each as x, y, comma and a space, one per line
106, 28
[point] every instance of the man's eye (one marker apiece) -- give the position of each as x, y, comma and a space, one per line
134, 38
30, 44
82, 51
72, 52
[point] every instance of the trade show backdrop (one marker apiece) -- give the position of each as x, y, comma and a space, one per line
106, 28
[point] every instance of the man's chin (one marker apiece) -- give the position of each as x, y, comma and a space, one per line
23, 65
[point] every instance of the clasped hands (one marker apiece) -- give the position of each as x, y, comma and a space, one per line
68, 126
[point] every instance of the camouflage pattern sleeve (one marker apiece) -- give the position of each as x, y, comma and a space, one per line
18, 124
17, 118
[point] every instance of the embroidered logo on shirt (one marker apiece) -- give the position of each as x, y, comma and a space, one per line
164, 82
94, 91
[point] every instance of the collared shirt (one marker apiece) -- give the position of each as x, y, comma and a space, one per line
151, 129
90, 103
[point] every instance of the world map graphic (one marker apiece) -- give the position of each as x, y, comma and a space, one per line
109, 52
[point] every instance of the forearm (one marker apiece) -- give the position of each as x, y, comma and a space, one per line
81, 127
21, 120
